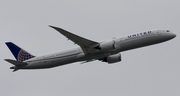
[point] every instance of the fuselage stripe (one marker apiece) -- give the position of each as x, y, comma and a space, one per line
44, 59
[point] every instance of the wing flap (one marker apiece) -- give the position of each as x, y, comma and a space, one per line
86, 44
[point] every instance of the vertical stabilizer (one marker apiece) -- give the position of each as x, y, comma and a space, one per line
19, 53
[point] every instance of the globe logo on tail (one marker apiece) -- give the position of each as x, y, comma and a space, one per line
23, 55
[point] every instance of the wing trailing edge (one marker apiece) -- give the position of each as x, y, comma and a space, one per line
88, 46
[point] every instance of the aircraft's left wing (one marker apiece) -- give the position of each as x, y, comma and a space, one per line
86, 45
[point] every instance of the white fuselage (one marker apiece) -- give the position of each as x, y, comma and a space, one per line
77, 54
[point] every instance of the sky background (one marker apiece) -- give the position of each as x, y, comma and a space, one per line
148, 71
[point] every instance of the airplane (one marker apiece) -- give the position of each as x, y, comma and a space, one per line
107, 51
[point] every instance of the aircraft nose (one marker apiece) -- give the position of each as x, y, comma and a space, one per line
171, 35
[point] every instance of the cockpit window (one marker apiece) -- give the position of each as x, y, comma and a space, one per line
167, 31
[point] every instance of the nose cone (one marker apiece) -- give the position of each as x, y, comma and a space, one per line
172, 35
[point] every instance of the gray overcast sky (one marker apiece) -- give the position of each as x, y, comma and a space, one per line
148, 71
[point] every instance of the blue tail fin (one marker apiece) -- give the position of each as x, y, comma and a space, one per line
19, 53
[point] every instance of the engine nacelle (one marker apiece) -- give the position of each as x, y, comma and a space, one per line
107, 45
113, 58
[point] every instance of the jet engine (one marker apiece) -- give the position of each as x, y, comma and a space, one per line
108, 45
112, 58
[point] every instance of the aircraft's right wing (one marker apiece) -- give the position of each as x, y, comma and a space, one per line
86, 45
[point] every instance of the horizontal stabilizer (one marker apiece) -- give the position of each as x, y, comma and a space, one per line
16, 63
